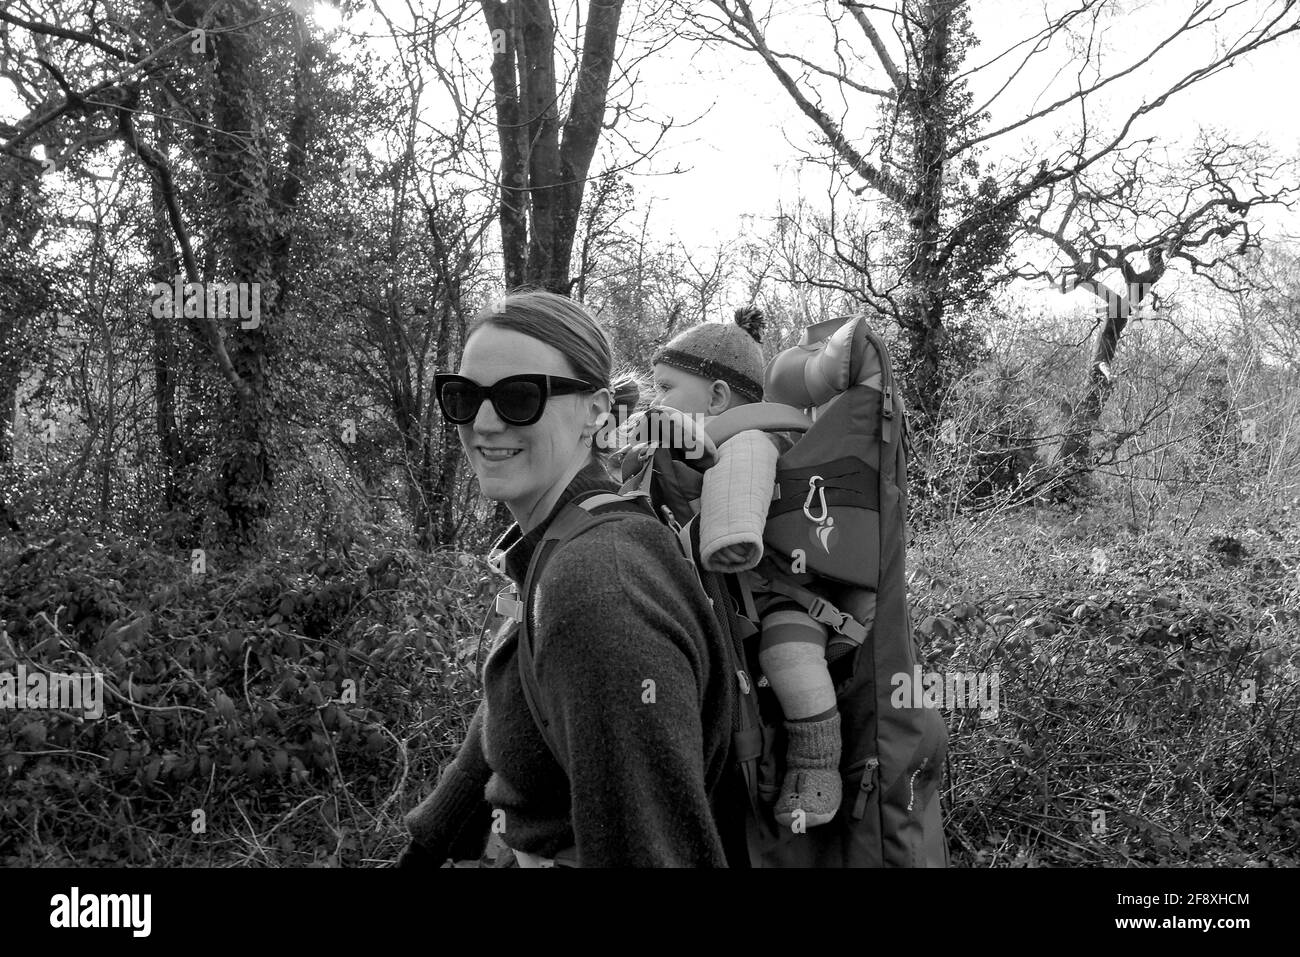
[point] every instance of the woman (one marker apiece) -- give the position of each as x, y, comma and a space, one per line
613, 610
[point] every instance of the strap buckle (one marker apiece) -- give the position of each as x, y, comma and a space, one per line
508, 605
671, 519
821, 610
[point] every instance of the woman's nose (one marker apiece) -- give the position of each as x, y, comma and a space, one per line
487, 420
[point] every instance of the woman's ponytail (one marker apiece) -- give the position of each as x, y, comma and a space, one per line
625, 396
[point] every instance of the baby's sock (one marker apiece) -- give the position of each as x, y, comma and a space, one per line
792, 653
811, 791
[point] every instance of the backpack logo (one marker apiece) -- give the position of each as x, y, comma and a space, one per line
825, 524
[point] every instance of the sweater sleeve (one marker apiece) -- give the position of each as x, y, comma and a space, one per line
622, 666
733, 504
446, 821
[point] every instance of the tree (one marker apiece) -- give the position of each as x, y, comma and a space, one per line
632, 282
243, 80
27, 291
924, 110
1134, 219
545, 159
922, 133
1272, 307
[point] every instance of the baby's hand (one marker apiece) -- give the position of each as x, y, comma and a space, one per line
733, 554
629, 433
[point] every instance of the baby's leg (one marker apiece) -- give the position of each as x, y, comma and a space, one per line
792, 653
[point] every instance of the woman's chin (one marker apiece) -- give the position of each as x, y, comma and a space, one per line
496, 488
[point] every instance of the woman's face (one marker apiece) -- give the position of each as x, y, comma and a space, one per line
526, 467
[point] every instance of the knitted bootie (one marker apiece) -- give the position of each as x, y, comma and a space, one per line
812, 776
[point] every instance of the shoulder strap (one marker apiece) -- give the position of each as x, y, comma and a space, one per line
576, 518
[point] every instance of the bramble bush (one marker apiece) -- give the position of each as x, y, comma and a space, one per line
299, 703
1149, 703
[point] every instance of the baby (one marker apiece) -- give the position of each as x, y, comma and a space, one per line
705, 371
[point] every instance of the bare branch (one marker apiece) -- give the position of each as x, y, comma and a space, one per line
896, 77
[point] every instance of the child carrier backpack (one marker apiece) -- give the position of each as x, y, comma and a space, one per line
834, 542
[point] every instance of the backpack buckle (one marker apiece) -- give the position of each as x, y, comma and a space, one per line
842, 622
826, 613
671, 519
508, 606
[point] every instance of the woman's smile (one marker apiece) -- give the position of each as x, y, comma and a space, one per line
496, 454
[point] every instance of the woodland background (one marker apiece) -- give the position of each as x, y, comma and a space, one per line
231, 523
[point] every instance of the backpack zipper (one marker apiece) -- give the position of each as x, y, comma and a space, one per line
886, 386
911, 784
865, 788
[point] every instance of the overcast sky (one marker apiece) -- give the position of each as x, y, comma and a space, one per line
741, 156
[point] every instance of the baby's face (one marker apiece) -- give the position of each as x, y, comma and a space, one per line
675, 389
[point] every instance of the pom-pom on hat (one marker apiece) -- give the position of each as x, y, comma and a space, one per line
723, 350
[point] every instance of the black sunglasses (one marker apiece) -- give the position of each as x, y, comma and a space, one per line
518, 399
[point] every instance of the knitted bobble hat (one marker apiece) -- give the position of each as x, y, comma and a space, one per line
723, 350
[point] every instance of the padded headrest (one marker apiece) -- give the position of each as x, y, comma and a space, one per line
837, 355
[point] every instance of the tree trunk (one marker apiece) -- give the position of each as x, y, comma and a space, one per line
443, 462
1076, 450
448, 475
582, 133
539, 97
924, 100
165, 265
239, 172
542, 172
9, 375
512, 138
26, 292
255, 226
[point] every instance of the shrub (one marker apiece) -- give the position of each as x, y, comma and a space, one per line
1149, 700
298, 704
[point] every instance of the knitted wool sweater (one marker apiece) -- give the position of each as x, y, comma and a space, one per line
628, 660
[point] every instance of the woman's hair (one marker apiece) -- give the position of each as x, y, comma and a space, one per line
565, 324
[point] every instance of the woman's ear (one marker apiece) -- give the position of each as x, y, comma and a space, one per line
597, 412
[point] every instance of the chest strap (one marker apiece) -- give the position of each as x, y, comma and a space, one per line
818, 608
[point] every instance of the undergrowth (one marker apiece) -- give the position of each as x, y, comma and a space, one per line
288, 711
1148, 688
285, 712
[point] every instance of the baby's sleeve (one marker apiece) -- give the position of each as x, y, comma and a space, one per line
733, 509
